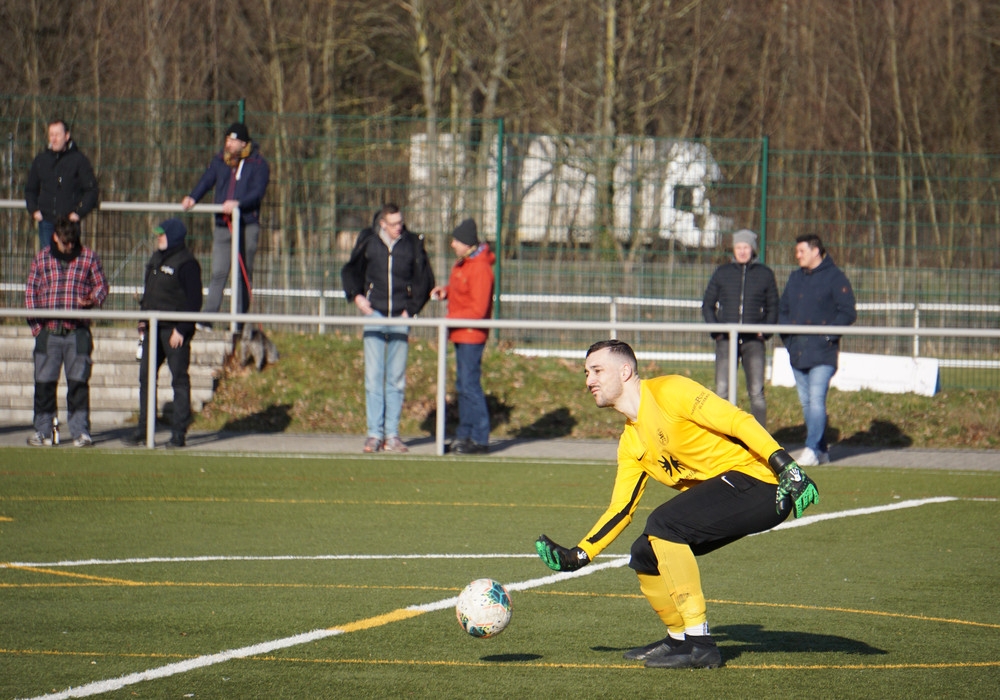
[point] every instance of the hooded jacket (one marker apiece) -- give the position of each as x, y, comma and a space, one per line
246, 182
173, 283
818, 297
470, 294
59, 183
393, 280
738, 293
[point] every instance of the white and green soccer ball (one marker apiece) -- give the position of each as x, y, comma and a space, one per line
483, 608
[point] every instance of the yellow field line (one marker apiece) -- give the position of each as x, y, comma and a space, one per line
98, 579
276, 501
508, 664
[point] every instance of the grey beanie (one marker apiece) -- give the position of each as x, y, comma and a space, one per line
466, 233
745, 235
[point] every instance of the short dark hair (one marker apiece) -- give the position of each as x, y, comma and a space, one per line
618, 348
68, 231
388, 208
813, 240
65, 124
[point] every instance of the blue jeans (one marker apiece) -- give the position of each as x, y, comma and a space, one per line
473, 415
385, 377
45, 231
812, 386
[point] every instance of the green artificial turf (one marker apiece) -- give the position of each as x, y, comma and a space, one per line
199, 554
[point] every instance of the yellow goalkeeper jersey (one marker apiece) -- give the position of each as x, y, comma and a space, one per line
684, 434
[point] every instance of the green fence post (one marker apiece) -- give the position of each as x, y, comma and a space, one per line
763, 199
498, 266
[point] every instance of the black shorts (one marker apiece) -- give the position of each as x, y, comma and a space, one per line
708, 516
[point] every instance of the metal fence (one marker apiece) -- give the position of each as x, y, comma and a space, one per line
570, 215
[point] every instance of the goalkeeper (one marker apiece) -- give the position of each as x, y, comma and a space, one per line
733, 478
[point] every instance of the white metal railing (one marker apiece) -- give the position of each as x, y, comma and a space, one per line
442, 324
148, 207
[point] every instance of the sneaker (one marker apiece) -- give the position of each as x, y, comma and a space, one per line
135, 439
809, 458
694, 652
394, 444
175, 442
468, 447
372, 444
39, 440
84, 440
657, 648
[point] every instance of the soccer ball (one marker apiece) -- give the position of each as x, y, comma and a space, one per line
483, 608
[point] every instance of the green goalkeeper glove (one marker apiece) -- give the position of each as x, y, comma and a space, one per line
559, 558
792, 484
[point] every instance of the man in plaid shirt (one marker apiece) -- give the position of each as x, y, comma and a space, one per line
65, 275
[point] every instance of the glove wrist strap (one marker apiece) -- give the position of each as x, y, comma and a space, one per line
780, 460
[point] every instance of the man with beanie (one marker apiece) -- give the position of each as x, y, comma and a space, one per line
742, 290
388, 275
61, 182
65, 275
470, 295
173, 283
817, 294
240, 175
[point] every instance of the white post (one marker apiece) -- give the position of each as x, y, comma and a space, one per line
442, 385
734, 348
152, 350
234, 268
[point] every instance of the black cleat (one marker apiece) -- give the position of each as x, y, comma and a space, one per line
660, 646
695, 652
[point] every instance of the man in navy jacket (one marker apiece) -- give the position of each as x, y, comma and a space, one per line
817, 294
240, 175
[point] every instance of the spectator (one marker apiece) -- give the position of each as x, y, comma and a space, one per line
817, 294
387, 275
65, 275
470, 295
61, 182
240, 175
742, 291
172, 283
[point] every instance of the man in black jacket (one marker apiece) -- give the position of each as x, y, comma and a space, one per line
61, 182
173, 283
742, 291
387, 275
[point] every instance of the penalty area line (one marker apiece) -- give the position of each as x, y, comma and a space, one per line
105, 686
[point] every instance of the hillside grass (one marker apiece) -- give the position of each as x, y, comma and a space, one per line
318, 387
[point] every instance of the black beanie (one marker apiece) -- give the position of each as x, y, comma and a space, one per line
466, 233
238, 130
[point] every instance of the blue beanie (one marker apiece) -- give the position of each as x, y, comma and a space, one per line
174, 230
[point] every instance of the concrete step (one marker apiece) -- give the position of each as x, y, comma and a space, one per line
114, 384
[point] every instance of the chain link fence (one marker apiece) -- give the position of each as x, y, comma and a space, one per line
575, 219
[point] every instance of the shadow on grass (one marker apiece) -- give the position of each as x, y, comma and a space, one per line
273, 419
754, 638
511, 658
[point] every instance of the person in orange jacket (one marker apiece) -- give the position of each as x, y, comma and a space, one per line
470, 295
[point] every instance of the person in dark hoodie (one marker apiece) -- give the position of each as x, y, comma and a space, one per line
817, 294
742, 291
388, 275
173, 283
61, 182
470, 295
240, 176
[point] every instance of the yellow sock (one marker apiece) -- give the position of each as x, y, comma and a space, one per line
659, 598
682, 580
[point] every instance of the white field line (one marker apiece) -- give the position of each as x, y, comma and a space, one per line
105, 686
